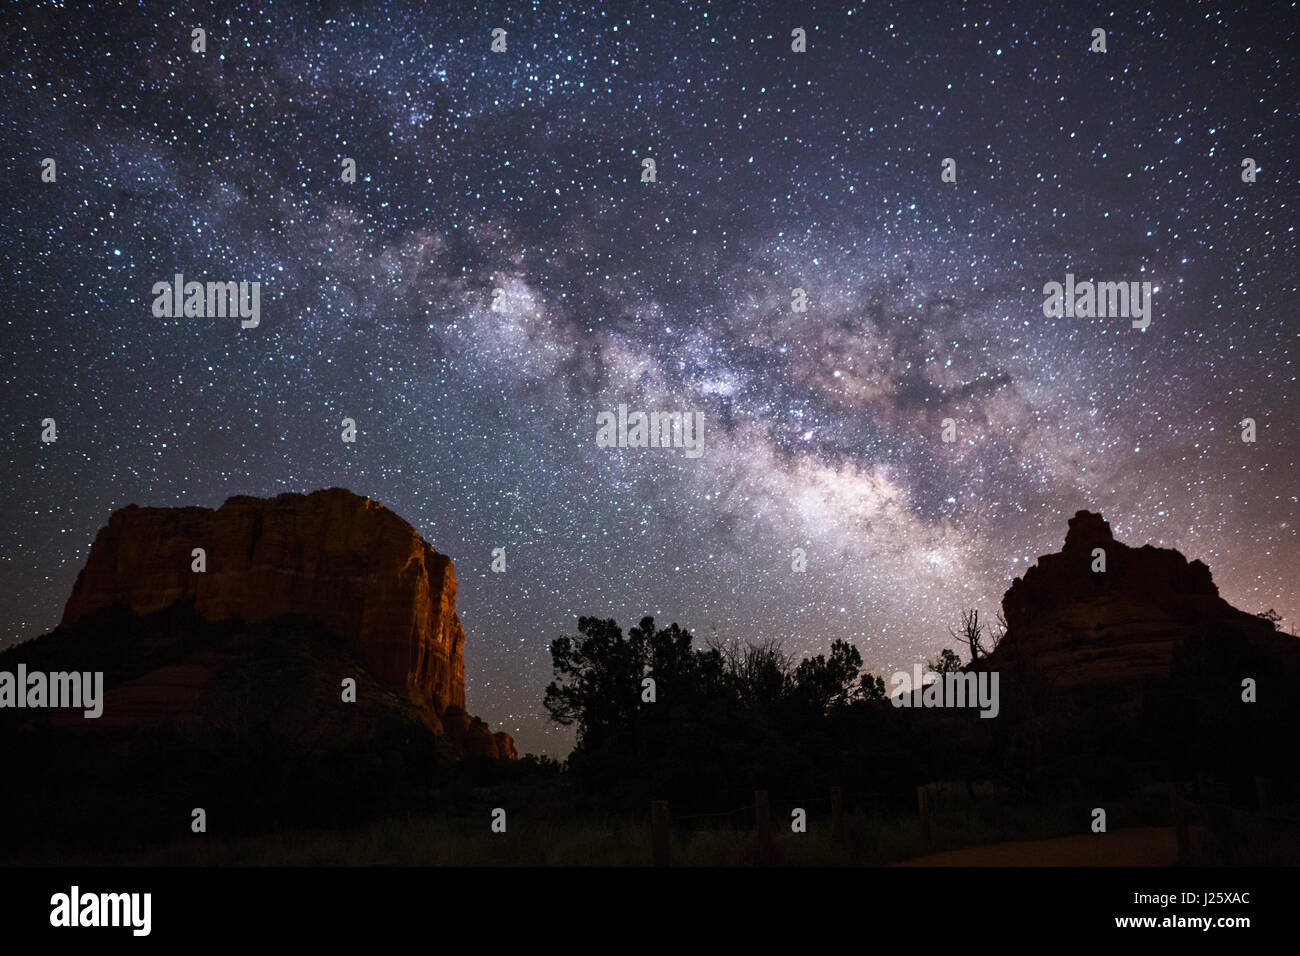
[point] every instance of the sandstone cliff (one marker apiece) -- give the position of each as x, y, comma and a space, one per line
335, 558
1082, 627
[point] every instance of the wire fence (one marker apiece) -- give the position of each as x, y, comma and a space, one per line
1206, 830
758, 815
817, 806
1211, 831
744, 815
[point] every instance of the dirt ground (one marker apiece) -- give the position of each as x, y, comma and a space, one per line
1136, 846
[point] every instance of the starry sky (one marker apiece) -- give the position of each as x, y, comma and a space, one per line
521, 171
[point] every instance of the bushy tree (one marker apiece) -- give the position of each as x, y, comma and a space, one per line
947, 662
872, 689
726, 719
599, 676
823, 684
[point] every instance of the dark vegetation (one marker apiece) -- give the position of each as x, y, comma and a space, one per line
273, 752
729, 720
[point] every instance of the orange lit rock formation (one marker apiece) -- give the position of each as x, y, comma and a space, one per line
341, 560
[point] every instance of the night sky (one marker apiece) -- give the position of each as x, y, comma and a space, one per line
521, 171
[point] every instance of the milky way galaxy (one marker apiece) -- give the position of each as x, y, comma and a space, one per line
521, 171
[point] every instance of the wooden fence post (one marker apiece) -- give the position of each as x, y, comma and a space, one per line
1183, 835
1262, 792
927, 826
659, 833
837, 816
764, 849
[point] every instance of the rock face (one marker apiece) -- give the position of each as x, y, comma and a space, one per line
1084, 627
338, 559
475, 737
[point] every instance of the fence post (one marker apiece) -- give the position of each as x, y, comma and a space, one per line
659, 833
1206, 788
837, 816
1179, 809
927, 827
1261, 791
764, 849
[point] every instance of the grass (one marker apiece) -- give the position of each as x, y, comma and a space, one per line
870, 839
555, 834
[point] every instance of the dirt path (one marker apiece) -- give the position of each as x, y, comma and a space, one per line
1137, 846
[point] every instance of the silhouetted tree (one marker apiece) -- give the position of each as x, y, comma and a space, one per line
599, 681
997, 631
872, 688
970, 633
946, 662
727, 719
821, 684
760, 671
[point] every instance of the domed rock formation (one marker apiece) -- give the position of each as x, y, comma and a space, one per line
1081, 626
340, 560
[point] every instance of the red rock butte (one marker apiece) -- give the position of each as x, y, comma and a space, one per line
333, 557
1086, 627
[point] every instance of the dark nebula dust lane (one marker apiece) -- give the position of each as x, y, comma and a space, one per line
521, 171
